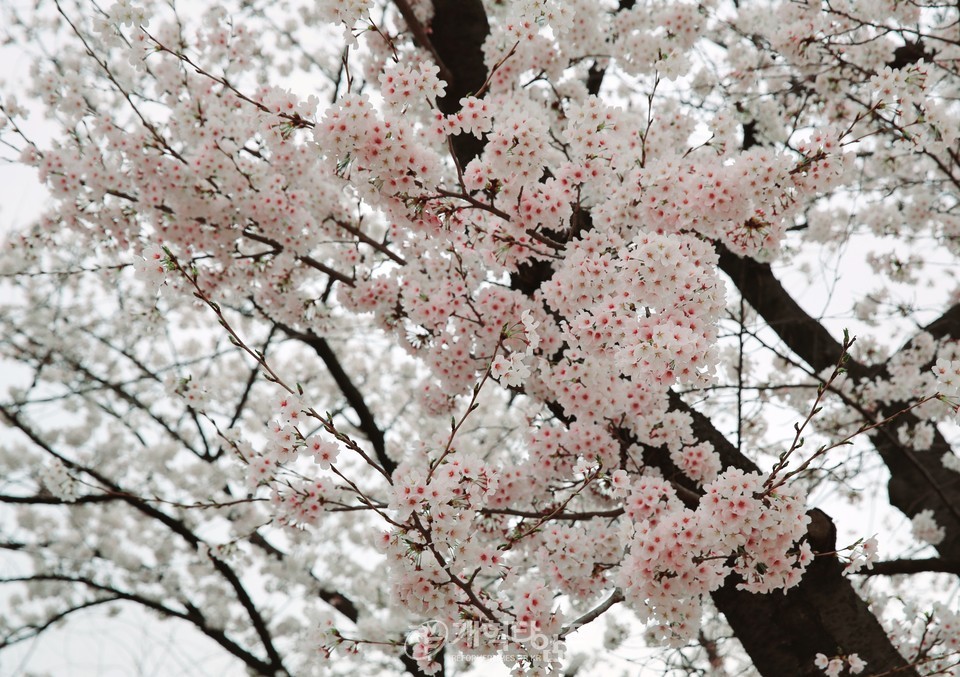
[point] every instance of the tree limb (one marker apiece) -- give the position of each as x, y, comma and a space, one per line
896, 567
368, 423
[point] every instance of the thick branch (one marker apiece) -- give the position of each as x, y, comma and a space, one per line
947, 324
896, 567
803, 334
783, 633
421, 37
823, 614
368, 423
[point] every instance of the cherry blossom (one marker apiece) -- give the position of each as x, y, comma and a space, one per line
486, 313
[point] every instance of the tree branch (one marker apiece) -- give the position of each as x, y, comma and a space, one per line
176, 526
896, 567
192, 615
368, 423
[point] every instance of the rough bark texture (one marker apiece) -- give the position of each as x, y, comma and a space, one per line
783, 633
824, 614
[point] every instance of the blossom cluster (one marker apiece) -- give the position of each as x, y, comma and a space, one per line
647, 306
935, 634
439, 536
151, 266
56, 479
302, 502
834, 667
862, 555
677, 554
948, 376
925, 528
